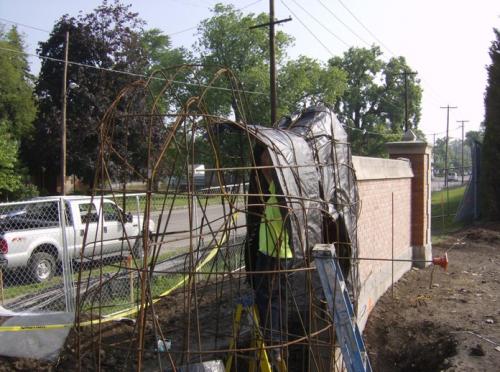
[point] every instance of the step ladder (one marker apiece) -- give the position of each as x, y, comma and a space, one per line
340, 306
262, 361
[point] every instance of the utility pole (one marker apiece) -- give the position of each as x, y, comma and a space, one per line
463, 124
448, 107
405, 75
272, 64
272, 57
63, 124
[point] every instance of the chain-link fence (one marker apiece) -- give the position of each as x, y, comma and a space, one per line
34, 254
102, 248
448, 187
183, 232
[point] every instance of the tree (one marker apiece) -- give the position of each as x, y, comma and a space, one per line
490, 157
109, 38
304, 82
17, 111
392, 101
226, 40
473, 136
17, 104
159, 52
10, 180
373, 102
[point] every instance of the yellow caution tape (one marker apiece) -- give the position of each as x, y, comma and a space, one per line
125, 312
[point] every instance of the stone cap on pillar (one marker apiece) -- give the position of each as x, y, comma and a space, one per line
408, 147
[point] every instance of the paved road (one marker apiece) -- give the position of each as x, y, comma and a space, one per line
209, 222
437, 183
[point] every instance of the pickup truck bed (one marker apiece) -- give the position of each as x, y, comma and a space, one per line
31, 234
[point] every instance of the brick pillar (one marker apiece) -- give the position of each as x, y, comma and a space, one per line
419, 154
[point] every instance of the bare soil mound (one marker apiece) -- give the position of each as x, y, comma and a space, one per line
441, 320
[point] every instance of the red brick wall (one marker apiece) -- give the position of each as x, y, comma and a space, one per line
378, 217
420, 190
384, 231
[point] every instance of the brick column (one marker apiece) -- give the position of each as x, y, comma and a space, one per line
419, 154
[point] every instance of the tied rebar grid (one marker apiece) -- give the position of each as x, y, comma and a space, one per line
159, 282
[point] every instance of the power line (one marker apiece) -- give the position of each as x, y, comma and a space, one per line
24, 25
170, 34
249, 5
321, 24
434, 134
341, 21
182, 31
195, 27
369, 132
309, 30
437, 96
366, 28
173, 81
133, 74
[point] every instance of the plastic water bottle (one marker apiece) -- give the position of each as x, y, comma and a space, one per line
164, 345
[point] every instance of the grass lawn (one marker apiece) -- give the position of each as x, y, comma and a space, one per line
443, 212
161, 202
18, 283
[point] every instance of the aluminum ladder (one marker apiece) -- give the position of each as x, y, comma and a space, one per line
340, 306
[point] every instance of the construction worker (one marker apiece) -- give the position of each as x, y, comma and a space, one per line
269, 251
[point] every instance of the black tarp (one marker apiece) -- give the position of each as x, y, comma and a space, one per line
312, 158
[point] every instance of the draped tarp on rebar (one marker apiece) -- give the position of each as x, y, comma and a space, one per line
312, 158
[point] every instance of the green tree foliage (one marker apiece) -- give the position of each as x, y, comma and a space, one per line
109, 38
454, 153
305, 81
473, 136
158, 48
17, 105
17, 111
10, 180
226, 40
490, 176
374, 100
161, 57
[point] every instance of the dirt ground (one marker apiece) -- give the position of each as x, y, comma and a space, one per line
443, 321
451, 323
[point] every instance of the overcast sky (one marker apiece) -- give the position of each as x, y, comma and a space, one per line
445, 41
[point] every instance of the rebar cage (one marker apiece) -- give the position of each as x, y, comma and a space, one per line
176, 291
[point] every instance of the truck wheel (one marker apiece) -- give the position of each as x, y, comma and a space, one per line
42, 266
138, 249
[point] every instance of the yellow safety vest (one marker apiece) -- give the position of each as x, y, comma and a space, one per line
273, 237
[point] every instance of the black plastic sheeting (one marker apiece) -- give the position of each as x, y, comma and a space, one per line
312, 158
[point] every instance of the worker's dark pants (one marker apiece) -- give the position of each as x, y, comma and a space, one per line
271, 296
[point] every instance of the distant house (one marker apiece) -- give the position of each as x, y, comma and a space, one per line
198, 173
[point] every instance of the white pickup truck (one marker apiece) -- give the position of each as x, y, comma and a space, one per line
31, 233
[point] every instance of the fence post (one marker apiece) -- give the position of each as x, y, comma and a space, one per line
138, 214
69, 295
131, 278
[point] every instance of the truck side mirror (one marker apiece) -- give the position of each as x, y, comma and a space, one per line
128, 217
